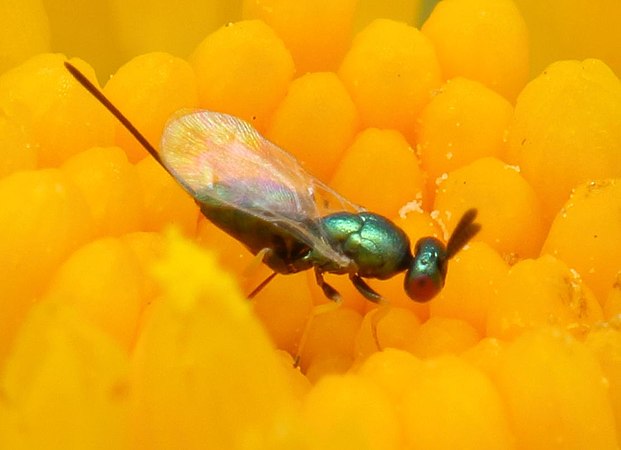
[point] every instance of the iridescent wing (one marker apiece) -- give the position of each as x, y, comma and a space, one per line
206, 150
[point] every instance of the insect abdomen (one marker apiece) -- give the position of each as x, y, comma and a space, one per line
287, 253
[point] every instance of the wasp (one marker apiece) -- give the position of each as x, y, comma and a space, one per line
260, 195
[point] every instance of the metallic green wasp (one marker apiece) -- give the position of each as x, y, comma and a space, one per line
260, 195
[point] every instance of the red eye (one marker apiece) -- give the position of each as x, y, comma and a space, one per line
425, 277
423, 288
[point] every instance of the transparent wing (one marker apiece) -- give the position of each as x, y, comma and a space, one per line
206, 151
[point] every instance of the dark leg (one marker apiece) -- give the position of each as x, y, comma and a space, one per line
328, 290
264, 283
365, 289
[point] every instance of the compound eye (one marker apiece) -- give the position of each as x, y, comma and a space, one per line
425, 277
422, 288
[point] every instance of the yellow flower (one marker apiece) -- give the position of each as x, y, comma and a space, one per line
115, 333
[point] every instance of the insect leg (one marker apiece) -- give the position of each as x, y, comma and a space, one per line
263, 283
366, 290
328, 290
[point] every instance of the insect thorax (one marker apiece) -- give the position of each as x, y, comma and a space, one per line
378, 247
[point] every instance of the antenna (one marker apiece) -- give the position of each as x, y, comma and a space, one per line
465, 230
101, 98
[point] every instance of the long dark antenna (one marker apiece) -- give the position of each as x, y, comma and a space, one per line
465, 230
101, 98
90, 87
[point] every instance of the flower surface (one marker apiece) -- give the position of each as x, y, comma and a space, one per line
123, 317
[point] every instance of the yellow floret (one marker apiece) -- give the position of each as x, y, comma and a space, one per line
206, 366
392, 370
144, 340
66, 383
109, 293
317, 33
390, 71
350, 412
612, 302
484, 40
315, 122
164, 201
110, 185
508, 206
243, 69
330, 342
148, 90
539, 293
472, 283
377, 163
586, 234
62, 117
386, 327
43, 218
298, 381
441, 335
487, 355
284, 308
464, 121
605, 343
148, 248
556, 393
566, 130
18, 150
451, 404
